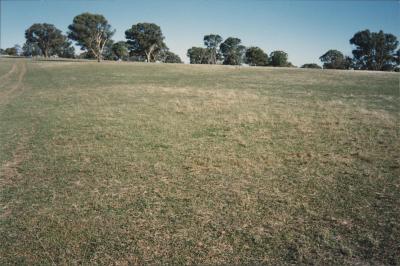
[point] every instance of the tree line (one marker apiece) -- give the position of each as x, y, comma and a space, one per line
373, 51
232, 52
145, 42
93, 34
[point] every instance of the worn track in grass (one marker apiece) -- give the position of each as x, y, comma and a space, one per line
12, 89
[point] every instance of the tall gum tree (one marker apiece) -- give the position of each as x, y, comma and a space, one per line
145, 39
374, 50
47, 37
91, 32
233, 51
212, 42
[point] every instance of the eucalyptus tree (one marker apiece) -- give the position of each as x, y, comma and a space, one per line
374, 50
92, 32
212, 42
198, 55
232, 51
145, 39
255, 56
333, 59
278, 59
311, 65
120, 50
47, 37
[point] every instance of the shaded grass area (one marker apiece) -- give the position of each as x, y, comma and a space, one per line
136, 163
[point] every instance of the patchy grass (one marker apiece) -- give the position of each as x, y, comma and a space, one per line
144, 163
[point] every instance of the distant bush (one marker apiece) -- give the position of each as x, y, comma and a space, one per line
169, 57
198, 55
289, 64
255, 56
11, 51
333, 59
311, 65
279, 59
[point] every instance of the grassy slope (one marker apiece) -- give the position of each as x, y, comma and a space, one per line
198, 164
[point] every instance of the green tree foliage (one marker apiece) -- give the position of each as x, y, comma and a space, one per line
232, 51
198, 55
108, 53
67, 51
85, 55
91, 32
120, 50
334, 59
170, 57
31, 49
137, 58
289, 64
278, 59
348, 62
212, 42
145, 39
374, 50
397, 61
311, 65
46, 36
11, 51
255, 56
397, 57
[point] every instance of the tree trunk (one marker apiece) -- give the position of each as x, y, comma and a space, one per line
148, 55
214, 56
101, 48
97, 55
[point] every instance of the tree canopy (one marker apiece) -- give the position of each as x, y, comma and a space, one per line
145, 39
255, 56
232, 51
120, 50
170, 57
333, 59
91, 32
13, 51
397, 57
311, 65
145, 42
66, 50
374, 50
31, 49
108, 53
47, 37
198, 55
278, 59
212, 42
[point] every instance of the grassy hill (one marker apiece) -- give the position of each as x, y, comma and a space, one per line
149, 163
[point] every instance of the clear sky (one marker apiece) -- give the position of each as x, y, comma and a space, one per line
304, 29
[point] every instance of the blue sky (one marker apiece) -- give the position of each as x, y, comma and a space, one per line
304, 29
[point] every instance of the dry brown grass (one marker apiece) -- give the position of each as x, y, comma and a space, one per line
152, 164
